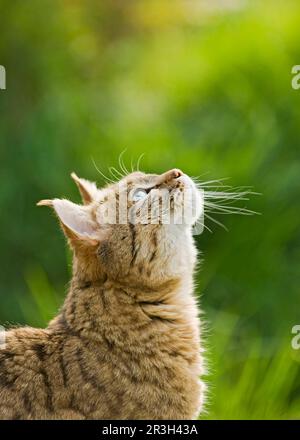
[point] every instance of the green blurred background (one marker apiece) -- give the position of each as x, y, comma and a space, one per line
200, 85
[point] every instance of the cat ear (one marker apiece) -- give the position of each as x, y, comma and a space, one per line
88, 190
76, 220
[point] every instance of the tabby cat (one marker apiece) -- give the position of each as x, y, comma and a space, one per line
126, 342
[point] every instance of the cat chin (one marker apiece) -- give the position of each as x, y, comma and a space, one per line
191, 203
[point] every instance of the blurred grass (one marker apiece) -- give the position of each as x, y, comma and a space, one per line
252, 378
196, 86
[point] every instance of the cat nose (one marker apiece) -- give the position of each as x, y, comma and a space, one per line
174, 174
170, 175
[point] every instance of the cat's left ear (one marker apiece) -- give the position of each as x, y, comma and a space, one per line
77, 221
88, 190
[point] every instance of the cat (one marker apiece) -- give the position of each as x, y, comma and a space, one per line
126, 342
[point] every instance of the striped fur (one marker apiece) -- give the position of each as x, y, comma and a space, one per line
126, 343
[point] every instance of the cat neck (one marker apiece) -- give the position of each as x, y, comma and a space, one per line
92, 306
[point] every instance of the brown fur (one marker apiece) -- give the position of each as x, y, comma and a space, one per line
126, 343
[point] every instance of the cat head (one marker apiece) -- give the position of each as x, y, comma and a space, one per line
137, 228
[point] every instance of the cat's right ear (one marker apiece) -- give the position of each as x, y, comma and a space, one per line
87, 189
77, 221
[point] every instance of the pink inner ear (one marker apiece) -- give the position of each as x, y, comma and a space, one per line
75, 217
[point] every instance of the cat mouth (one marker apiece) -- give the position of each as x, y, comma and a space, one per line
185, 180
187, 200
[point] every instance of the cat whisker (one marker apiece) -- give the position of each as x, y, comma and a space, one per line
131, 165
121, 163
200, 176
139, 161
220, 199
115, 173
106, 178
216, 221
226, 209
208, 182
203, 225
227, 197
206, 227
216, 187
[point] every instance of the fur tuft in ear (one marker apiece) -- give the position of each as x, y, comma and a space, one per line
76, 220
88, 190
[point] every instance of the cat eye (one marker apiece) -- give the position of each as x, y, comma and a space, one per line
139, 194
